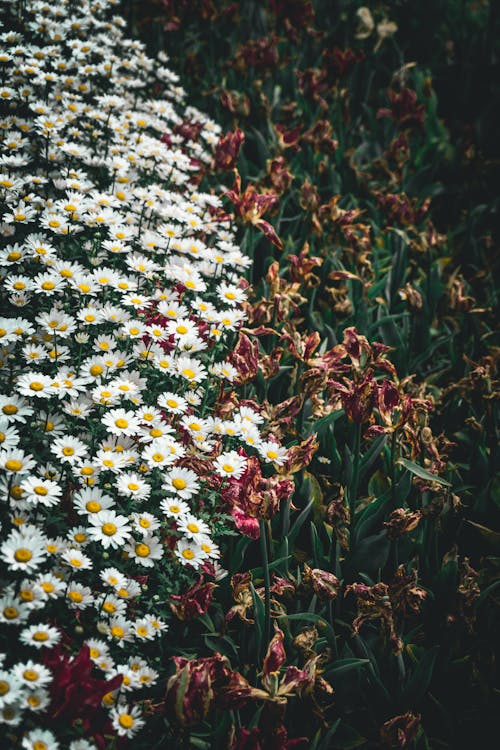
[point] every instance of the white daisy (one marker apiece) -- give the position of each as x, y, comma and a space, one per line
109, 529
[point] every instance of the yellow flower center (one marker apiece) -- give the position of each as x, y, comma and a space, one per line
40, 490
13, 464
10, 613
93, 506
179, 483
10, 409
4, 687
142, 550
188, 554
117, 631
40, 636
48, 285
68, 450
121, 423
228, 468
133, 486
126, 721
31, 675
194, 528
109, 529
23, 555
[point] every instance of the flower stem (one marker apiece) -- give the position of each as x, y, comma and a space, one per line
353, 490
267, 587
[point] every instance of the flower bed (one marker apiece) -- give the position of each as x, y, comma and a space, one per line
122, 298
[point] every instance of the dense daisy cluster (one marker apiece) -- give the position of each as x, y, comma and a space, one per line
121, 301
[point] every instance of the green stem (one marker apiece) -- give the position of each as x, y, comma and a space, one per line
353, 493
267, 587
394, 446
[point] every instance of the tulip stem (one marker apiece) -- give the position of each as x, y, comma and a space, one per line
353, 493
394, 445
267, 587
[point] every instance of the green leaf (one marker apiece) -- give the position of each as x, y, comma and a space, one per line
420, 679
419, 471
259, 612
294, 531
492, 537
347, 738
369, 458
325, 742
345, 665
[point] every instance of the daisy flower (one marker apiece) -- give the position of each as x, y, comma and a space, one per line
158, 454
32, 674
91, 500
143, 631
79, 596
126, 720
76, 559
119, 629
14, 408
231, 294
190, 369
23, 552
189, 553
271, 451
40, 739
146, 551
121, 422
40, 635
112, 605
230, 464
69, 449
192, 527
109, 529
209, 548
51, 586
36, 700
113, 577
16, 461
107, 460
11, 688
172, 402
182, 482
41, 491
131, 485
174, 508
145, 522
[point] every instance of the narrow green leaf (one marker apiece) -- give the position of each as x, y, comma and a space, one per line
419, 471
